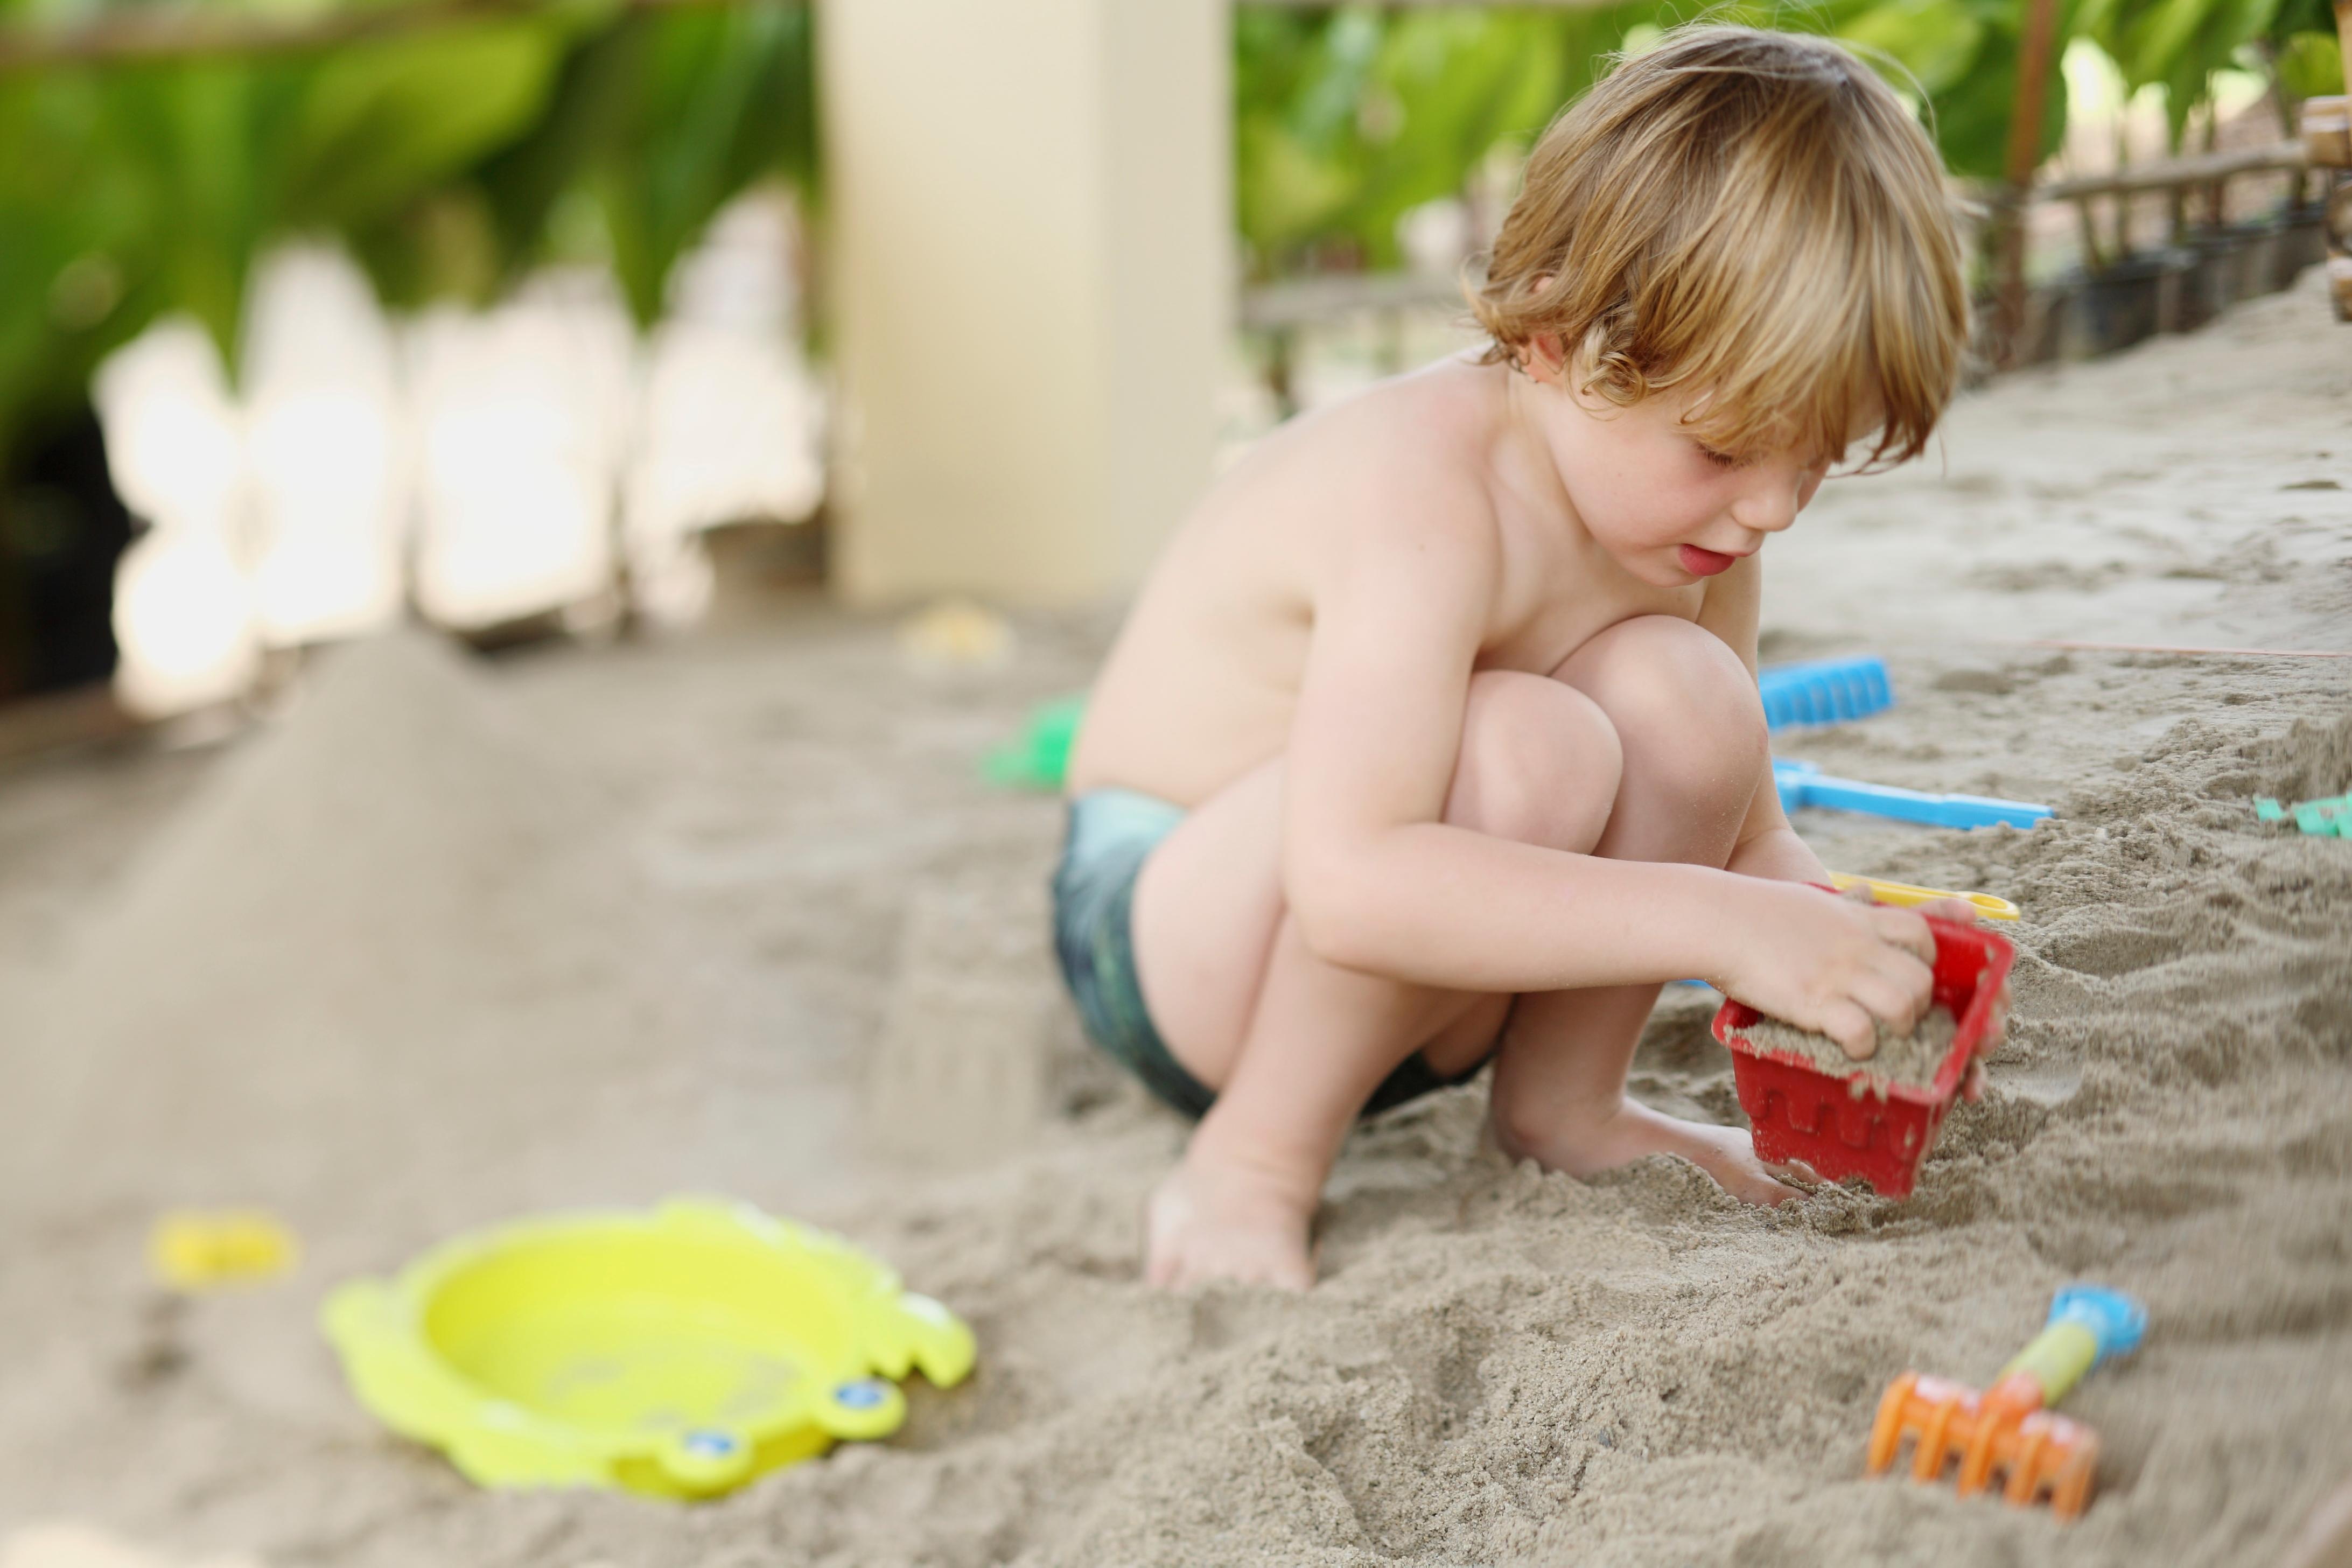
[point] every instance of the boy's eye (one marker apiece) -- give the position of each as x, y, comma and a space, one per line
1720, 459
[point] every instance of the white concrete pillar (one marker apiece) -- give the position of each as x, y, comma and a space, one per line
1030, 280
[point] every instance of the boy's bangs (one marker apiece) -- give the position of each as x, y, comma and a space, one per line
1763, 399
1756, 221
1805, 333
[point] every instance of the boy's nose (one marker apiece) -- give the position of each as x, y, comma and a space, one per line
1772, 503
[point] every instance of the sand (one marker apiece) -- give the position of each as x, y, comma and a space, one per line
1897, 1055
644, 919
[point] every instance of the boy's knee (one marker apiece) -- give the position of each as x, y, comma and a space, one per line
1539, 763
1707, 677
1679, 695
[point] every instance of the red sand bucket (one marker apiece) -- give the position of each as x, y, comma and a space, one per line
1836, 1123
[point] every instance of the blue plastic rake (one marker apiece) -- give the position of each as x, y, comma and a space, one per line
1824, 690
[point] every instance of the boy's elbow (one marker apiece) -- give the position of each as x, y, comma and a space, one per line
1336, 936
1339, 923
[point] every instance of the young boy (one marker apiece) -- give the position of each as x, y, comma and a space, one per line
1434, 740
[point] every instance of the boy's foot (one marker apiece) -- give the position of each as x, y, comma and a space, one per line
1726, 1153
1220, 1224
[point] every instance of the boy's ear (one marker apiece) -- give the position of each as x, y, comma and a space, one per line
1543, 357
1546, 358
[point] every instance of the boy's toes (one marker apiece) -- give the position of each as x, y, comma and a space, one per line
1728, 1155
1765, 1189
1189, 1242
1234, 1259
1751, 1181
1249, 1263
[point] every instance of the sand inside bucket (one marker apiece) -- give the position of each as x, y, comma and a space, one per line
1901, 1056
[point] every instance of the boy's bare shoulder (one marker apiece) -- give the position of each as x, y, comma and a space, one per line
1411, 454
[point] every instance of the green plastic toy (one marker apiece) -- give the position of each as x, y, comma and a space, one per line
2327, 817
1039, 758
676, 1352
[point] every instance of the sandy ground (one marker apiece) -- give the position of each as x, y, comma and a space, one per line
451, 941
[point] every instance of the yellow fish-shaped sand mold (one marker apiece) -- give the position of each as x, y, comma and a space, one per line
678, 1352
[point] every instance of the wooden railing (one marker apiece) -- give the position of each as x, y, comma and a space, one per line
2179, 179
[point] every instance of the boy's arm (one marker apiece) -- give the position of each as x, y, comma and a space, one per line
1768, 845
1378, 882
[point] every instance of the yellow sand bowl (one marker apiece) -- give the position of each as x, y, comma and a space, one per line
678, 1352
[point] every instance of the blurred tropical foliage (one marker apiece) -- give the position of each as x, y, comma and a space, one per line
453, 158
1346, 120
1348, 117
2179, 46
448, 161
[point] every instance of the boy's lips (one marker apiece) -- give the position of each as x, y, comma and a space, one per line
1701, 563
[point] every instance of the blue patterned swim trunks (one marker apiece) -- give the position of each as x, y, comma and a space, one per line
1111, 833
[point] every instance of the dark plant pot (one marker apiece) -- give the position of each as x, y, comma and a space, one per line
2086, 314
2120, 306
2208, 274
2248, 261
2302, 242
2253, 258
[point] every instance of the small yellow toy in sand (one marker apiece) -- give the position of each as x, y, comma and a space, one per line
678, 1352
190, 1250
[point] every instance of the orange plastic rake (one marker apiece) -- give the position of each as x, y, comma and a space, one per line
2009, 1431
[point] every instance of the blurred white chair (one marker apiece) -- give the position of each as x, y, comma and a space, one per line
330, 479
185, 618
515, 441
521, 413
732, 423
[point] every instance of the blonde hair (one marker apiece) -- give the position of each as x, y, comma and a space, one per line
1755, 217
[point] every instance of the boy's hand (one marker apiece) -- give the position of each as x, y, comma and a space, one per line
1830, 965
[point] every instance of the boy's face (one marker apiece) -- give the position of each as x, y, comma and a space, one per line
1665, 506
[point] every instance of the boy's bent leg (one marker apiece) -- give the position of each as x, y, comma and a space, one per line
1538, 762
1294, 1045
1241, 1205
1692, 728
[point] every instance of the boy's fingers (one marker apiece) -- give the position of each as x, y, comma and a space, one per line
1996, 1031
1957, 911
1912, 975
1972, 1087
1849, 1026
1997, 1025
1893, 998
1906, 929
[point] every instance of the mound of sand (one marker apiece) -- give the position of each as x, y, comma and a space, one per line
388, 935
